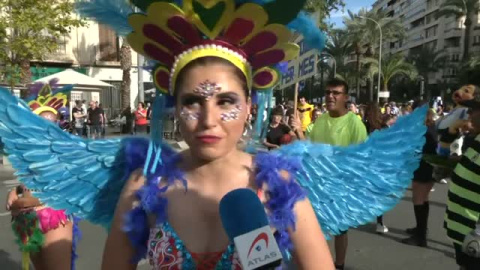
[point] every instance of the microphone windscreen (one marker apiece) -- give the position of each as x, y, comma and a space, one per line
241, 212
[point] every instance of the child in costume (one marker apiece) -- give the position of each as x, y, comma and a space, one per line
46, 236
209, 57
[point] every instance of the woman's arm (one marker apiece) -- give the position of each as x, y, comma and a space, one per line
21, 203
310, 247
118, 252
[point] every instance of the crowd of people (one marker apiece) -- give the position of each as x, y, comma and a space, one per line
341, 122
89, 122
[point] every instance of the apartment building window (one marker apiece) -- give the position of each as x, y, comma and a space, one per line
61, 45
455, 57
432, 17
452, 42
109, 44
431, 32
432, 3
476, 40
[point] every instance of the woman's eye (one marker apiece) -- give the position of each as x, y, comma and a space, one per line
226, 102
191, 103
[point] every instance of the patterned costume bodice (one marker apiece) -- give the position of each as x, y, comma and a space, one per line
167, 251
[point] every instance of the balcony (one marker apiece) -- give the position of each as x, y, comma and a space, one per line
453, 32
58, 57
417, 41
432, 7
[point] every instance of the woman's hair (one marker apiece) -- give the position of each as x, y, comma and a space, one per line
373, 116
143, 104
205, 61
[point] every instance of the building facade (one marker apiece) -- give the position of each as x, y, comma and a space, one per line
423, 28
93, 50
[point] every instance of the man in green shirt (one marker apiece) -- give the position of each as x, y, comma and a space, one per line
338, 127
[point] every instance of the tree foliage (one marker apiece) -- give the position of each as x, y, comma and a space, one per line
366, 32
31, 29
392, 65
324, 9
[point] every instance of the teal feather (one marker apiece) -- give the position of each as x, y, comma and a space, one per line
113, 13
351, 186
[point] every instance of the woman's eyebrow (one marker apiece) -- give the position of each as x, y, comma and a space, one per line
227, 94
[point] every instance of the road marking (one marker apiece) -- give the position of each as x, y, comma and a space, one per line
5, 214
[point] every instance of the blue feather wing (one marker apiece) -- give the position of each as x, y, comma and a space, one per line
350, 186
84, 177
113, 13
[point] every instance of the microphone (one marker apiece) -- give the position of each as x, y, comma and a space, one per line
245, 221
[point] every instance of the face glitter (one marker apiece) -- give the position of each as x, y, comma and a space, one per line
207, 89
233, 114
188, 115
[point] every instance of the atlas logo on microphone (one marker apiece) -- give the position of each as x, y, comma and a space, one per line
260, 249
261, 236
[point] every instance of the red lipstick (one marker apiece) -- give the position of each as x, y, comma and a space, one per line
208, 139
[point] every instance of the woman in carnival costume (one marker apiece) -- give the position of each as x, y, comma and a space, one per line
45, 235
208, 58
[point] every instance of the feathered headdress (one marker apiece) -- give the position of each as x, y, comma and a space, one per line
252, 35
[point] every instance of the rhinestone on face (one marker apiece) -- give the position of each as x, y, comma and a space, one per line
207, 89
188, 115
233, 114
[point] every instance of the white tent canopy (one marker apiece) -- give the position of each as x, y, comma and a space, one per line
70, 76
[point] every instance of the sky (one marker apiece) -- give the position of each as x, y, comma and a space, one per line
353, 5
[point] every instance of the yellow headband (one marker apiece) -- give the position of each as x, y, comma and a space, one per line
213, 50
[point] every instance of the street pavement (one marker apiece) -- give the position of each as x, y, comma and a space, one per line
367, 250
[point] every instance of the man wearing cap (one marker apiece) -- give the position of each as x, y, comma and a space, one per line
463, 206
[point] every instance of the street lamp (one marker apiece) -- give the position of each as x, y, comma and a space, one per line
334, 62
379, 56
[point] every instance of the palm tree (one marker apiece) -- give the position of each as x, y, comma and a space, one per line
392, 65
368, 29
474, 62
126, 65
469, 72
427, 61
339, 46
365, 35
461, 8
